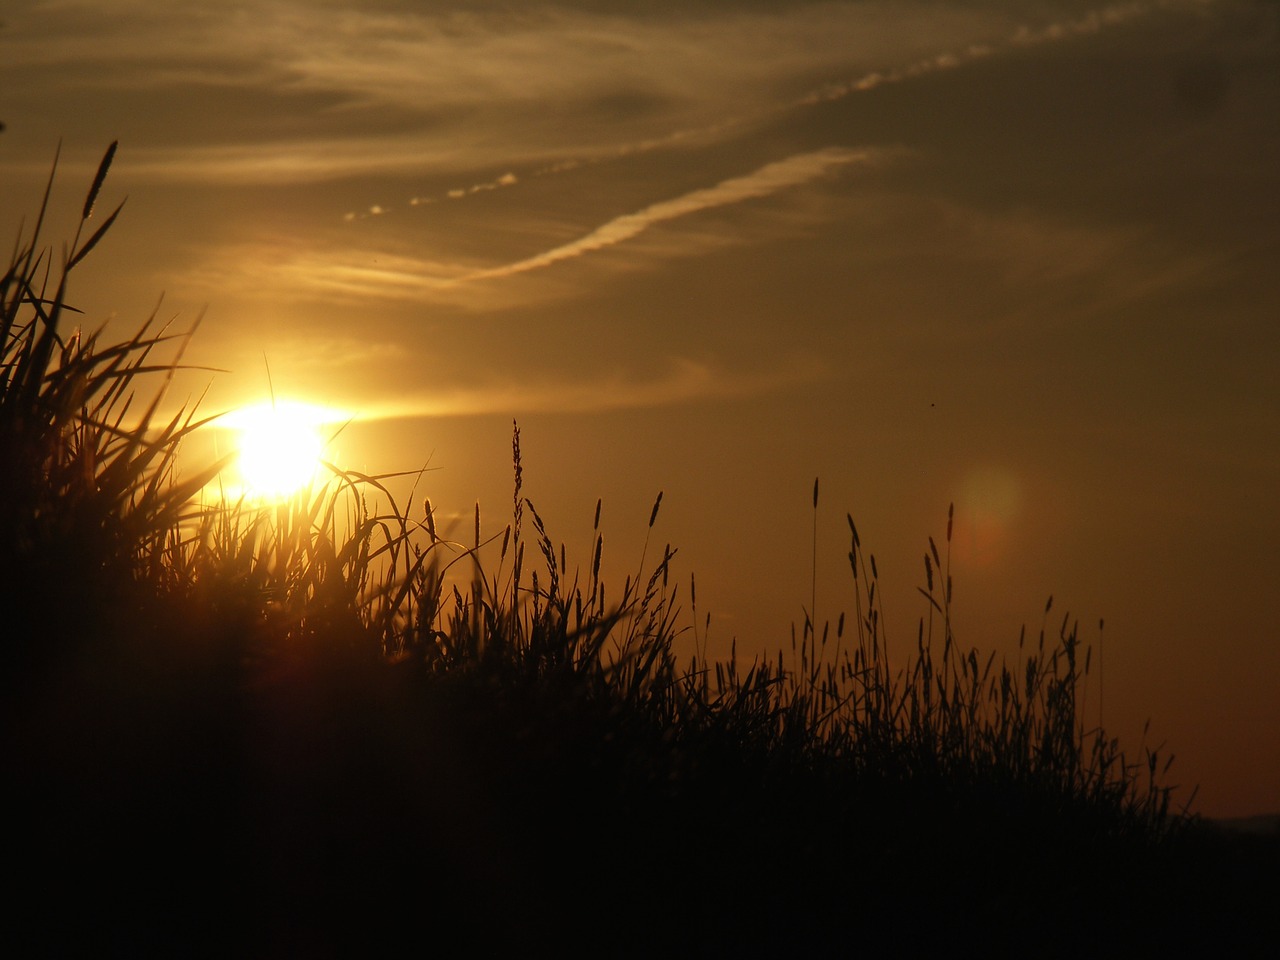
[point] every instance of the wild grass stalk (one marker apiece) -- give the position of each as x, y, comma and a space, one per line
87, 478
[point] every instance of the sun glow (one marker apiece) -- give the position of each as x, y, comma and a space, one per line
280, 446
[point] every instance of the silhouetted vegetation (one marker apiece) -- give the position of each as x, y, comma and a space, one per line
319, 727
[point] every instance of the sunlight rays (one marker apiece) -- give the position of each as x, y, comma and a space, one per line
280, 447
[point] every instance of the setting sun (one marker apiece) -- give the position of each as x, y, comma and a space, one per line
280, 446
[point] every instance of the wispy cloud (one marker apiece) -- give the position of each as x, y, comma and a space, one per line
769, 179
992, 33
288, 92
282, 92
352, 274
1025, 35
360, 273
684, 381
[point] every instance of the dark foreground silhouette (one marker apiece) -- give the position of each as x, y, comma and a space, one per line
169, 794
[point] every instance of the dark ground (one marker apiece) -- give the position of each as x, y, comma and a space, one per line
190, 805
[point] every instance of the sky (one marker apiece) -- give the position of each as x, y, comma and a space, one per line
1016, 256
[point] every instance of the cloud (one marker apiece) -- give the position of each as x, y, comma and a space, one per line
508, 179
357, 273
329, 353
288, 92
769, 179
997, 35
309, 160
684, 381
361, 272
1025, 35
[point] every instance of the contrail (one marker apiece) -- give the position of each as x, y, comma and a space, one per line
1087, 24
769, 179
1090, 23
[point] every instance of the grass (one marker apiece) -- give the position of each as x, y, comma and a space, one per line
320, 726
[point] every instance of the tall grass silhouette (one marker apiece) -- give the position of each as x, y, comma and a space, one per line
316, 724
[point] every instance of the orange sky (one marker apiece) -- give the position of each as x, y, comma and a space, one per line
1017, 256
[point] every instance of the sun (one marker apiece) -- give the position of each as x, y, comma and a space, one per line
279, 447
